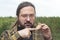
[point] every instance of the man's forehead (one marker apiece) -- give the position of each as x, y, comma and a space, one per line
28, 9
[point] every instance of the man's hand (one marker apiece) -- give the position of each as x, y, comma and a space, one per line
45, 31
25, 33
43, 27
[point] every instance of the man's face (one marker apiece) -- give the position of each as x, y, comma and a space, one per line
27, 16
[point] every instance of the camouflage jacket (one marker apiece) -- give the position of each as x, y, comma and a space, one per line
13, 35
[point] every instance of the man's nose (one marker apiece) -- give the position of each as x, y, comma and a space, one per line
28, 18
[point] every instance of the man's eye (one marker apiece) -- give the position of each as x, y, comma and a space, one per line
32, 15
23, 15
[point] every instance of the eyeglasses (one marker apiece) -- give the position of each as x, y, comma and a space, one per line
28, 15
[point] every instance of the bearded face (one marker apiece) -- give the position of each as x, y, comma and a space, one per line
27, 17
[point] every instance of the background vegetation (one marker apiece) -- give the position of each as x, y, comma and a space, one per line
52, 22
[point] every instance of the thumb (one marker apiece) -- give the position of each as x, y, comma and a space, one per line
38, 26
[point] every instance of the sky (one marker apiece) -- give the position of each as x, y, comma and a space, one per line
44, 8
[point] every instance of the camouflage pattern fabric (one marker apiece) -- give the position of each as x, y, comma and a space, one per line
13, 35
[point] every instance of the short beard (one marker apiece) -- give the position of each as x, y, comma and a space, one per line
23, 26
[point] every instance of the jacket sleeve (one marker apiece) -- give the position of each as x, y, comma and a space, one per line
4, 35
7, 35
15, 36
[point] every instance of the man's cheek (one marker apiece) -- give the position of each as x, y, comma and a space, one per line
23, 22
32, 21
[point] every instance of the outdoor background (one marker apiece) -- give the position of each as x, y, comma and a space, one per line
47, 11
52, 22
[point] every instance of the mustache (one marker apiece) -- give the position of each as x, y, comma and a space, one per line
28, 22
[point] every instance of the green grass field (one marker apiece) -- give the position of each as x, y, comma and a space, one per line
52, 22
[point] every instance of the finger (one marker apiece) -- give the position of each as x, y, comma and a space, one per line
38, 26
45, 27
32, 29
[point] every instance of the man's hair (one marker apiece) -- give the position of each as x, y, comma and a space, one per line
22, 5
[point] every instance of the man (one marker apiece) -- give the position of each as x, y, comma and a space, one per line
25, 28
